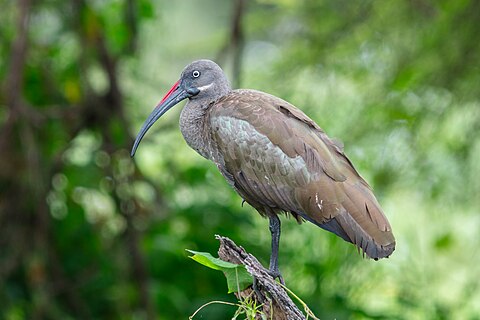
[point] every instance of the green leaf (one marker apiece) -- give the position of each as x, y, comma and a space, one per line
237, 276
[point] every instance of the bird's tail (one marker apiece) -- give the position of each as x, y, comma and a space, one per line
347, 228
355, 216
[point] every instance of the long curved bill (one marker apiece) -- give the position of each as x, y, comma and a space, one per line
173, 96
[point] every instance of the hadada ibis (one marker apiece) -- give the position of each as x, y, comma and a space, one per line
276, 158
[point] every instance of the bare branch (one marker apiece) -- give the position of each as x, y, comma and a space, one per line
279, 303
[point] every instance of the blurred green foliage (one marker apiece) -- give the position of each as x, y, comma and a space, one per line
85, 232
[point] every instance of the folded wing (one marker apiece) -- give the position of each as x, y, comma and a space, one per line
278, 159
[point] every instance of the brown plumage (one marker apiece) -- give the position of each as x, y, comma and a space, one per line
277, 159
295, 168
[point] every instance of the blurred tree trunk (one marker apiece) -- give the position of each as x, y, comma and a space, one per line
28, 251
235, 42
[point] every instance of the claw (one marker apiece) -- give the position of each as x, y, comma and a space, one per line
277, 275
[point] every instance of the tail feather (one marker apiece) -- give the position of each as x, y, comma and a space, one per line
345, 224
351, 212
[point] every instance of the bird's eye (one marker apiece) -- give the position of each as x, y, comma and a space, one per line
196, 74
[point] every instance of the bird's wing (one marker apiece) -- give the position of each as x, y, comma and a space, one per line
278, 158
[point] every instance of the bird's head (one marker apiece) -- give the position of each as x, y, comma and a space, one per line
202, 81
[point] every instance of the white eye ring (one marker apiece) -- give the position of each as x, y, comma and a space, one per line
196, 74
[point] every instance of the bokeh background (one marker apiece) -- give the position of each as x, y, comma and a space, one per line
88, 233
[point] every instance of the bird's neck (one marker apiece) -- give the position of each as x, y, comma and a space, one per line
193, 125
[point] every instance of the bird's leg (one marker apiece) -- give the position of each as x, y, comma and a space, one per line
275, 228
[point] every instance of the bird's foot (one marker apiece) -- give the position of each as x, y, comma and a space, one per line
275, 273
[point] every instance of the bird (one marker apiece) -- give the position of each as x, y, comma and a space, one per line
276, 158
